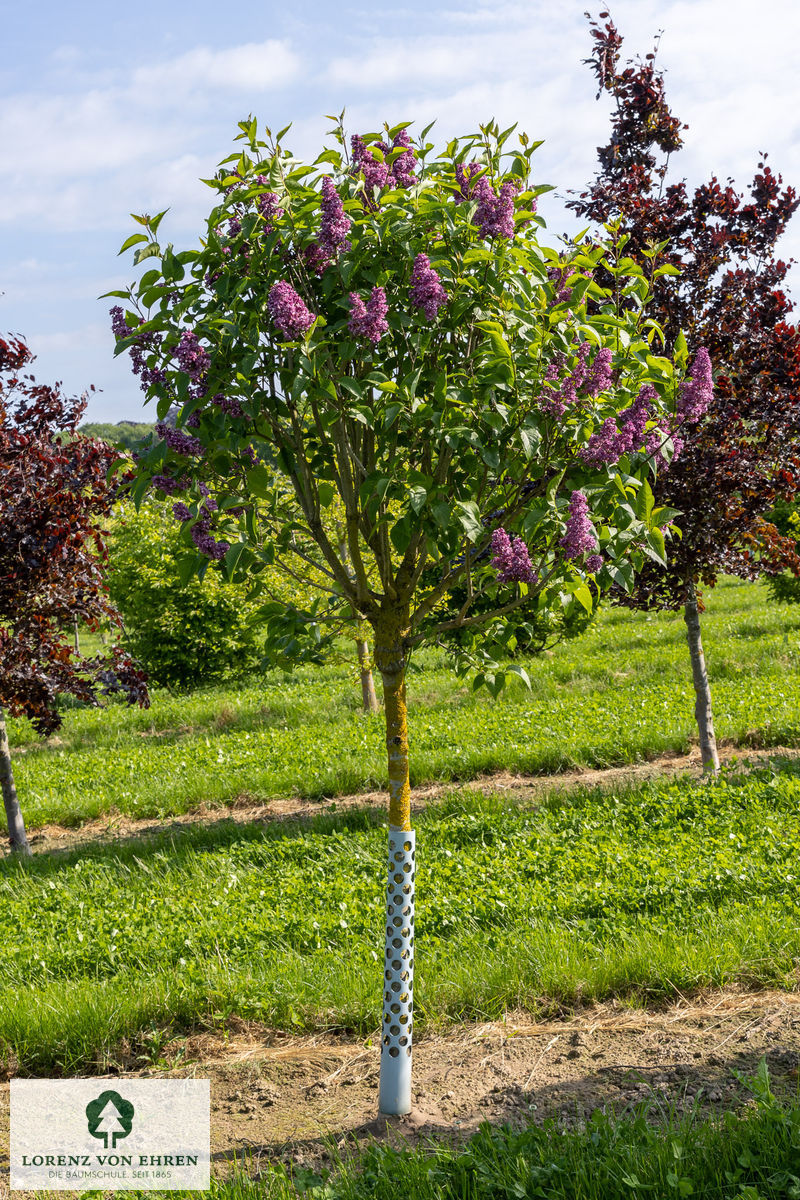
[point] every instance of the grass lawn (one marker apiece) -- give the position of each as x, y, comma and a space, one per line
674, 884
589, 894
621, 693
750, 1156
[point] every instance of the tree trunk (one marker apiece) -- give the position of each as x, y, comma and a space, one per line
77, 635
398, 973
702, 691
369, 699
16, 825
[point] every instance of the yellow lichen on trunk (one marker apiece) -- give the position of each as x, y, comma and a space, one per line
391, 629
394, 699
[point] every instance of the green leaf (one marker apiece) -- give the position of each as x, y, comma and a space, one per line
530, 439
187, 568
655, 547
664, 515
149, 251
131, 241
644, 503
681, 350
391, 414
156, 221
583, 596
417, 498
522, 674
400, 534
441, 513
326, 491
258, 481
469, 517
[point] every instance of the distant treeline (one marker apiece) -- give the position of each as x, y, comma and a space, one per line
125, 434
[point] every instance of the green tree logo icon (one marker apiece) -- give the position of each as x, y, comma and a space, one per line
109, 1116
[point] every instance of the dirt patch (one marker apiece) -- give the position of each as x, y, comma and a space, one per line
275, 1097
245, 810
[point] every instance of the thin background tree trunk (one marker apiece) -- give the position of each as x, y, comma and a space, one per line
16, 825
702, 691
369, 699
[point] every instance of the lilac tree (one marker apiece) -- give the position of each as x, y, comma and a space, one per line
385, 326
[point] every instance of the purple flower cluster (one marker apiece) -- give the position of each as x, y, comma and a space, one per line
369, 320
334, 223
426, 291
635, 418
599, 376
403, 166
375, 171
612, 441
697, 392
557, 275
177, 440
192, 358
204, 540
228, 404
289, 313
201, 534
593, 563
119, 326
168, 484
559, 399
580, 536
604, 446
315, 258
654, 443
146, 342
465, 179
511, 559
267, 205
494, 215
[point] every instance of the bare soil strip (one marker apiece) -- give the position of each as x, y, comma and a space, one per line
117, 827
276, 1097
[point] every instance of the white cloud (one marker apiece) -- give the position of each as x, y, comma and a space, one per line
69, 341
254, 67
82, 158
98, 137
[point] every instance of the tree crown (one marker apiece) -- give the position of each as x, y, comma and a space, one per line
385, 326
54, 497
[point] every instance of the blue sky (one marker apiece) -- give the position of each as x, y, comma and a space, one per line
111, 109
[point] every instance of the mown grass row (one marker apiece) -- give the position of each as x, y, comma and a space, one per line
748, 1156
670, 885
619, 694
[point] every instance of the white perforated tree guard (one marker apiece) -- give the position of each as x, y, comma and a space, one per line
398, 976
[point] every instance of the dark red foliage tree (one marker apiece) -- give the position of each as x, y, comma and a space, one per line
54, 496
728, 297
